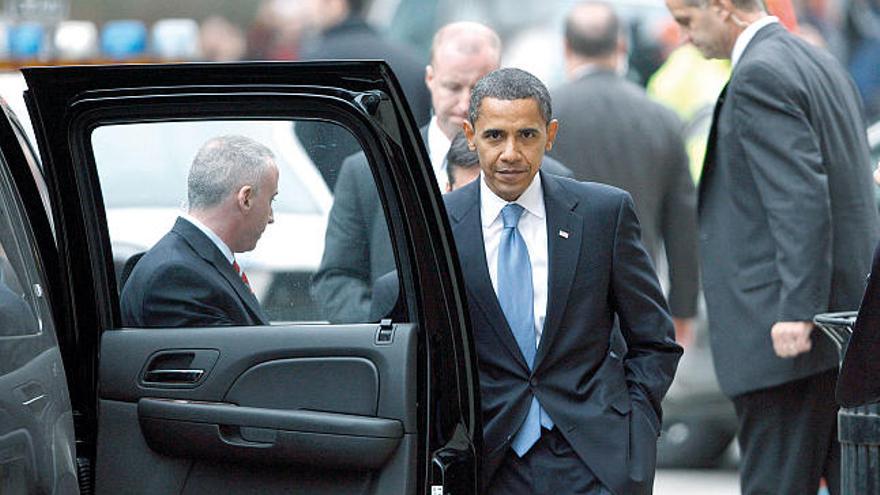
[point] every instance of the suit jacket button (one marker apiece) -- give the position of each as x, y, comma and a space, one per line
533, 381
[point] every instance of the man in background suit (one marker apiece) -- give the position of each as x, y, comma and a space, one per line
548, 264
343, 34
614, 134
190, 277
357, 247
787, 225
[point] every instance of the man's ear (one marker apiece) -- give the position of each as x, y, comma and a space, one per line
469, 133
429, 76
245, 197
552, 129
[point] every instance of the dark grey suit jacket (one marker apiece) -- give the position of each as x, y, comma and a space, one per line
357, 247
611, 132
185, 281
328, 145
786, 210
606, 405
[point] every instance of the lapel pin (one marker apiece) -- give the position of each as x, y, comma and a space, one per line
563, 234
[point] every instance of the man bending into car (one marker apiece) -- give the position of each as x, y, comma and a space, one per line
190, 277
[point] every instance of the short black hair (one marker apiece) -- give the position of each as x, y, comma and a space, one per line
460, 155
593, 41
510, 84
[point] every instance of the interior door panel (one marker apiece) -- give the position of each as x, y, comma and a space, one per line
312, 409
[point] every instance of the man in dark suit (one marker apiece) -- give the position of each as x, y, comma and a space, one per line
345, 35
787, 226
548, 264
190, 277
357, 247
614, 134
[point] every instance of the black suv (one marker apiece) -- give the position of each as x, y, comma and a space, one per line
311, 406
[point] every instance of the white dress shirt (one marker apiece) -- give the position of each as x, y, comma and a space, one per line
227, 253
745, 37
438, 147
533, 229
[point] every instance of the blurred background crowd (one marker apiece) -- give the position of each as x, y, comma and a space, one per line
65, 31
100, 31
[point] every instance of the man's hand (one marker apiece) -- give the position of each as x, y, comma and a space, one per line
791, 338
684, 331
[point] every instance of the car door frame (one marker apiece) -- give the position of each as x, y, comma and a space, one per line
63, 103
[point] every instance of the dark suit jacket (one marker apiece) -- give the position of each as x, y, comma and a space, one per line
357, 247
611, 132
185, 281
787, 222
606, 405
327, 144
859, 380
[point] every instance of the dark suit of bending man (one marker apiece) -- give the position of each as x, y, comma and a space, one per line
562, 412
190, 277
614, 134
787, 226
357, 247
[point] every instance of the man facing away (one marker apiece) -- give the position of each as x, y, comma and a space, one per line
190, 277
614, 134
548, 264
787, 226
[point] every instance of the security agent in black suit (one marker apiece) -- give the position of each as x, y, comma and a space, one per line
190, 277
787, 227
357, 249
562, 412
614, 134
345, 35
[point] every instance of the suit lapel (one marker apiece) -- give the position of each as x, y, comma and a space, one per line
709, 164
209, 252
709, 159
468, 231
564, 238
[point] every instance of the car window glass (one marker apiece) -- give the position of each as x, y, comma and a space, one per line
143, 170
22, 308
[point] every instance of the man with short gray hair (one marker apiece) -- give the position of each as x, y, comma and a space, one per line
190, 277
787, 228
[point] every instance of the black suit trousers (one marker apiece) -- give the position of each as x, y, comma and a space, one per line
788, 437
550, 467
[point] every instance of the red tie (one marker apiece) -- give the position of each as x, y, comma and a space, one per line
241, 274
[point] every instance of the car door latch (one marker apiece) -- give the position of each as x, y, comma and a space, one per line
385, 333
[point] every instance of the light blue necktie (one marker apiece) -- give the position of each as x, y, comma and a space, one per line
516, 296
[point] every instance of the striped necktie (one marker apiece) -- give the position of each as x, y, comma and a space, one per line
241, 274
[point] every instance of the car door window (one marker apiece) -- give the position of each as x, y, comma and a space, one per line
22, 308
143, 167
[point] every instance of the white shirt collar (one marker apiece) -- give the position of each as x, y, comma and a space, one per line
532, 199
745, 37
438, 146
227, 253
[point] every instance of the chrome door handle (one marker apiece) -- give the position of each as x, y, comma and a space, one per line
173, 376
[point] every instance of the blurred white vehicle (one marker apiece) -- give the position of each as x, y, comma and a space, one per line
143, 170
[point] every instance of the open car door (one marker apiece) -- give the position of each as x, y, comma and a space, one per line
316, 402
